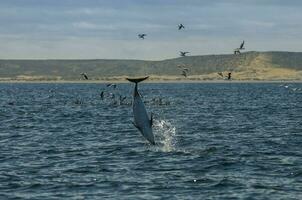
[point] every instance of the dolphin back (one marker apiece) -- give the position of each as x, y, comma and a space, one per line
137, 80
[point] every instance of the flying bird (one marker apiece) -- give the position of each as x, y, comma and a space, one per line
183, 53
181, 26
237, 50
142, 36
84, 75
241, 46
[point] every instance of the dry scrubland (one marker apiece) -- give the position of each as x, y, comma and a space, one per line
250, 66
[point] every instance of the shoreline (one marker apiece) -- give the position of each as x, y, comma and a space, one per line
147, 81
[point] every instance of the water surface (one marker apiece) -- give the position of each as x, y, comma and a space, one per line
215, 141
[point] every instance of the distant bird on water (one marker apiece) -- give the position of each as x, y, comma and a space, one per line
111, 85
142, 36
84, 75
102, 95
181, 26
183, 53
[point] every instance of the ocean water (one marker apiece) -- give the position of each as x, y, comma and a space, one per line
215, 141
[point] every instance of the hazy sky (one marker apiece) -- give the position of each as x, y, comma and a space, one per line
108, 28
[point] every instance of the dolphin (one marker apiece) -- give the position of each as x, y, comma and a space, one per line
141, 119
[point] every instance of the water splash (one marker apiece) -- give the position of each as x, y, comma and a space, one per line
165, 134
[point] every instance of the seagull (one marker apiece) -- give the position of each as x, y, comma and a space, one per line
142, 36
180, 26
102, 95
241, 46
111, 85
84, 75
183, 53
237, 50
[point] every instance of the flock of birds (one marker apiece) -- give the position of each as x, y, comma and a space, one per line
112, 96
183, 68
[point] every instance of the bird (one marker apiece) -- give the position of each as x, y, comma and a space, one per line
102, 95
111, 85
142, 36
241, 46
229, 75
84, 75
180, 26
183, 53
237, 50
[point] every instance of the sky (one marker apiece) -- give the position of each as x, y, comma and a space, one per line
108, 29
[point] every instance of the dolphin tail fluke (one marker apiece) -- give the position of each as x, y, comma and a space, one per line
137, 80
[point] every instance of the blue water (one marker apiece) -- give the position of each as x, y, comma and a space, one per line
215, 141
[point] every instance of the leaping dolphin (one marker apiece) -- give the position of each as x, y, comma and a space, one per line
141, 119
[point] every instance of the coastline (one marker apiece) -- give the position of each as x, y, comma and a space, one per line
147, 81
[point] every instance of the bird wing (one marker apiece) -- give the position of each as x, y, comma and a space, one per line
242, 44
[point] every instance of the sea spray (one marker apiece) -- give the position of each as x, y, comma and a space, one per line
165, 134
